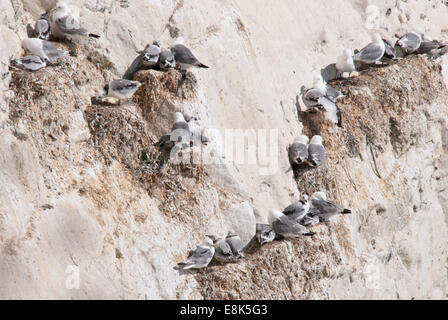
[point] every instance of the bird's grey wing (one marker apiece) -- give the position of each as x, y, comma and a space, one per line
292, 208
42, 27
70, 25
181, 125
122, 84
325, 207
428, 46
330, 72
223, 247
411, 40
317, 153
51, 51
135, 66
332, 93
298, 150
372, 51
389, 51
332, 109
184, 55
31, 63
235, 244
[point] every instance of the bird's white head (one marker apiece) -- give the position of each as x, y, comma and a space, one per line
208, 241
377, 37
304, 198
179, 40
179, 117
348, 53
317, 139
61, 6
274, 215
302, 139
319, 195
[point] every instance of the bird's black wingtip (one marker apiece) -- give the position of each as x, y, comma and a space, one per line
93, 35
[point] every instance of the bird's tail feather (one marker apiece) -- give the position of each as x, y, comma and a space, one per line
346, 211
94, 35
201, 65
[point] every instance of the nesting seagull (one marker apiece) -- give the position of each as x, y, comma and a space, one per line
223, 251
64, 24
264, 233
287, 227
298, 150
410, 42
42, 27
44, 49
151, 55
309, 219
316, 151
185, 59
135, 66
235, 244
166, 60
298, 209
30, 63
431, 47
324, 208
122, 88
201, 257
345, 63
373, 52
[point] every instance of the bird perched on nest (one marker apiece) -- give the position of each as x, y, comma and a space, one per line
325, 209
201, 257
30, 63
298, 209
373, 52
316, 151
42, 27
65, 25
44, 49
185, 59
122, 88
286, 227
298, 151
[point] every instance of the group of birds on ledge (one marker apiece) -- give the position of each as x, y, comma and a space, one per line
292, 222
295, 218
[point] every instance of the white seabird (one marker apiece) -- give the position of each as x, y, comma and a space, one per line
185, 58
122, 88
410, 42
180, 133
298, 209
166, 60
31, 63
201, 257
65, 25
287, 227
44, 49
235, 244
298, 150
42, 27
316, 151
373, 52
151, 55
324, 208
264, 233
345, 63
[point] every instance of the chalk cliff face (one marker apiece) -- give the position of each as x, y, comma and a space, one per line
80, 190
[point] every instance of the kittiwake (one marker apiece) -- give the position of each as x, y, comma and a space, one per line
166, 60
201, 257
324, 208
235, 244
44, 49
316, 151
122, 88
410, 42
151, 55
298, 209
287, 227
185, 58
373, 52
298, 150
31, 63
345, 63
65, 25
42, 27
